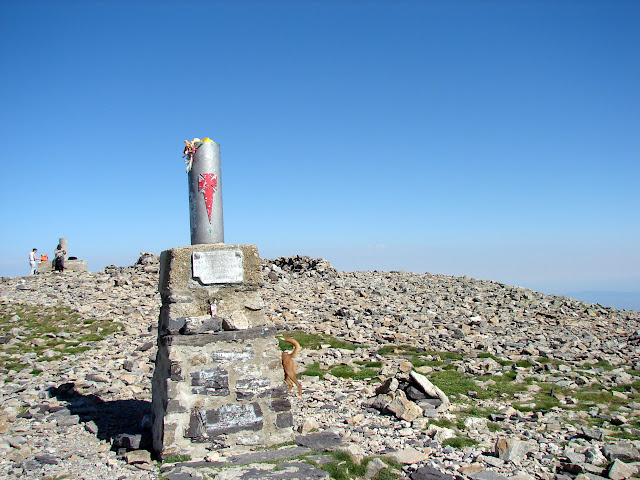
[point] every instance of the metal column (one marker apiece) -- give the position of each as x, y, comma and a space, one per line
205, 195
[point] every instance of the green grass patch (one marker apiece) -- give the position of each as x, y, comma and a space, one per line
411, 350
452, 382
542, 401
314, 370
418, 361
177, 459
398, 350
460, 441
494, 427
368, 364
524, 364
344, 467
606, 366
75, 350
38, 329
342, 371
345, 371
474, 411
626, 436
392, 472
420, 358
545, 360
503, 386
493, 357
443, 423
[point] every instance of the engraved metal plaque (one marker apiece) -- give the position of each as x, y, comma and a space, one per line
223, 266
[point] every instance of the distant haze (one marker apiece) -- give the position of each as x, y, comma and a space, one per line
623, 300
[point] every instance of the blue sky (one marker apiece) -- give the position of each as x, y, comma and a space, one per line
494, 139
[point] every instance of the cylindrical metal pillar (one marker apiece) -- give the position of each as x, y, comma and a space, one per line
205, 195
63, 245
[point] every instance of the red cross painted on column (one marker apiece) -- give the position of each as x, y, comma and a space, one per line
207, 185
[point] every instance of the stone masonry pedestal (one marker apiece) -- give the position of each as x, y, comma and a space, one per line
218, 380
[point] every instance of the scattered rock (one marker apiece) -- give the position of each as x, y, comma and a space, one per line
408, 456
85, 404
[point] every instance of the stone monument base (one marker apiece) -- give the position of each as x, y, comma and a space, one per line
69, 265
218, 380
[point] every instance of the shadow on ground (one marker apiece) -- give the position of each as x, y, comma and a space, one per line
124, 423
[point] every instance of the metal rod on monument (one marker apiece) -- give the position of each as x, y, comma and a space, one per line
205, 191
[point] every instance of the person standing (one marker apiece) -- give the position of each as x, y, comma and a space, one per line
33, 262
59, 260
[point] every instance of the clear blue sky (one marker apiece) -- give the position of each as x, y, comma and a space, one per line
494, 139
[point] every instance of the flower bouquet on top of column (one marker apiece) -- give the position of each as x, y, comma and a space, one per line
190, 149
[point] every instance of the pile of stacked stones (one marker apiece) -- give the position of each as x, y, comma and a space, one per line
86, 415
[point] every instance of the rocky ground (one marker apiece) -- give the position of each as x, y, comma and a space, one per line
526, 385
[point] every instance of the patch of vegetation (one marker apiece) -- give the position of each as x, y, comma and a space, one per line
15, 366
524, 364
494, 427
626, 436
420, 358
542, 401
75, 350
39, 329
344, 467
460, 441
418, 361
606, 366
603, 397
342, 371
544, 360
502, 386
410, 350
312, 341
487, 355
398, 350
452, 382
177, 459
443, 422
474, 411
314, 370
493, 357
345, 371
392, 472
368, 364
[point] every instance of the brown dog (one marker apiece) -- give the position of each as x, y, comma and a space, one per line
290, 367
